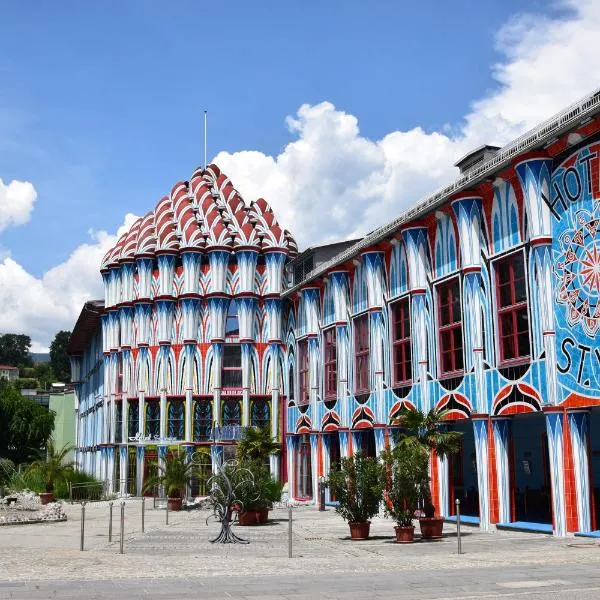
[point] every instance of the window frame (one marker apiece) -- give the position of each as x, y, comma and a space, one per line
450, 327
512, 309
226, 369
330, 363
303, 373
402, 342
365, 353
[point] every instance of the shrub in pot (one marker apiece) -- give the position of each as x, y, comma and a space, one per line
174, 476
405, 476
256, 494
357, 487
53, 468
428, 431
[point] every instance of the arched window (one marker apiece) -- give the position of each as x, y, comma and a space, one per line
260, 414
133, 418
202, 420
153, 418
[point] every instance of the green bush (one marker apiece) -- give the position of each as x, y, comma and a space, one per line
35, 481
7, 468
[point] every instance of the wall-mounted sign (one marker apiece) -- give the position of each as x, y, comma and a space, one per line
138, 437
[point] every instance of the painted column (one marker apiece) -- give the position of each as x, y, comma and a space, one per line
217, 308
501, 429
344, 443
443, 501
290, 441
480, 429
139, 464
338, 280
314, 457
162, 459
417, 253
376, 285
216, 454
379, 439
123, 470
325, 443
554, 429
534, 175
579, 427
469, 218
275, 379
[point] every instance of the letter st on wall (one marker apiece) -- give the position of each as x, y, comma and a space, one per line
574, 203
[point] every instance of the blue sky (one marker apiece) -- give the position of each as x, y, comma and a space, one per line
101, 109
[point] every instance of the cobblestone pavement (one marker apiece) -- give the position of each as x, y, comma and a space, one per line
170, 561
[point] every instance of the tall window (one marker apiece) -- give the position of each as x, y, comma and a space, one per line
361, 347
513, 320
153, 418
232, 324
329, 342
303, 385
202, 420
175, 419
401, 347
451, 339
231, 372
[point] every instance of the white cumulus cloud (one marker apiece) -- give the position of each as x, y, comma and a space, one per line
16, 203
41, 306
331, 182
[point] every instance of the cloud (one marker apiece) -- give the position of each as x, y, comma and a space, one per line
332, 183
42, 306
16, 203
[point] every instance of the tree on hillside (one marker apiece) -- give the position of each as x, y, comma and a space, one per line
59, 361
26, 425
14, 350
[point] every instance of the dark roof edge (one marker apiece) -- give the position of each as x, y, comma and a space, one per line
87, 324
541, 134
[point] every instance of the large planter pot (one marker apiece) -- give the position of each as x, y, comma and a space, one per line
431, 527
46, 497
174, 503
360, 530
405, 535
253, 517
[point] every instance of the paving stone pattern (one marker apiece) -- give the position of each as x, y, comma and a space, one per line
171, 561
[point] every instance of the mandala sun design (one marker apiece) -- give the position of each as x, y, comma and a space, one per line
578, 271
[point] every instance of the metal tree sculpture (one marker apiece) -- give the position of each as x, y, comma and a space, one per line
229, 479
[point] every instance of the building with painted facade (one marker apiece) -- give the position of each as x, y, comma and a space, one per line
186, 347
481, 301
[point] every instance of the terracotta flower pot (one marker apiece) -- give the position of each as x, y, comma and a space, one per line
174, 503
46, 497
431, 527
263, 515
249, 517
360, 530
405, 535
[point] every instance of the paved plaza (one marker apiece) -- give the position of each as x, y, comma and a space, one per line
176, 560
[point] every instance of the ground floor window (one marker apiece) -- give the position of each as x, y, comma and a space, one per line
260, 414
304, 469
202, 419
175, 419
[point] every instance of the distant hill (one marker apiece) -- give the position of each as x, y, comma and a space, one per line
40, 357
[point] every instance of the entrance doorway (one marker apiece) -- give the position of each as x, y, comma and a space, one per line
532, 499
463, 472
304, 469
333, 448
366, 443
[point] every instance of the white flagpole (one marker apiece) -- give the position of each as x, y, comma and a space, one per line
205, 151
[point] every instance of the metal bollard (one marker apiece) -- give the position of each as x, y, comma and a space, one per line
290, 531
122, 535
143, 512
81, 542
459, 541
167, 511
322, 494
110, 521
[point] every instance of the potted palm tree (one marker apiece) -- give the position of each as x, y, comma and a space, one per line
426, 430
174, 476
405, 477
257, 444
53, 467
357, 487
